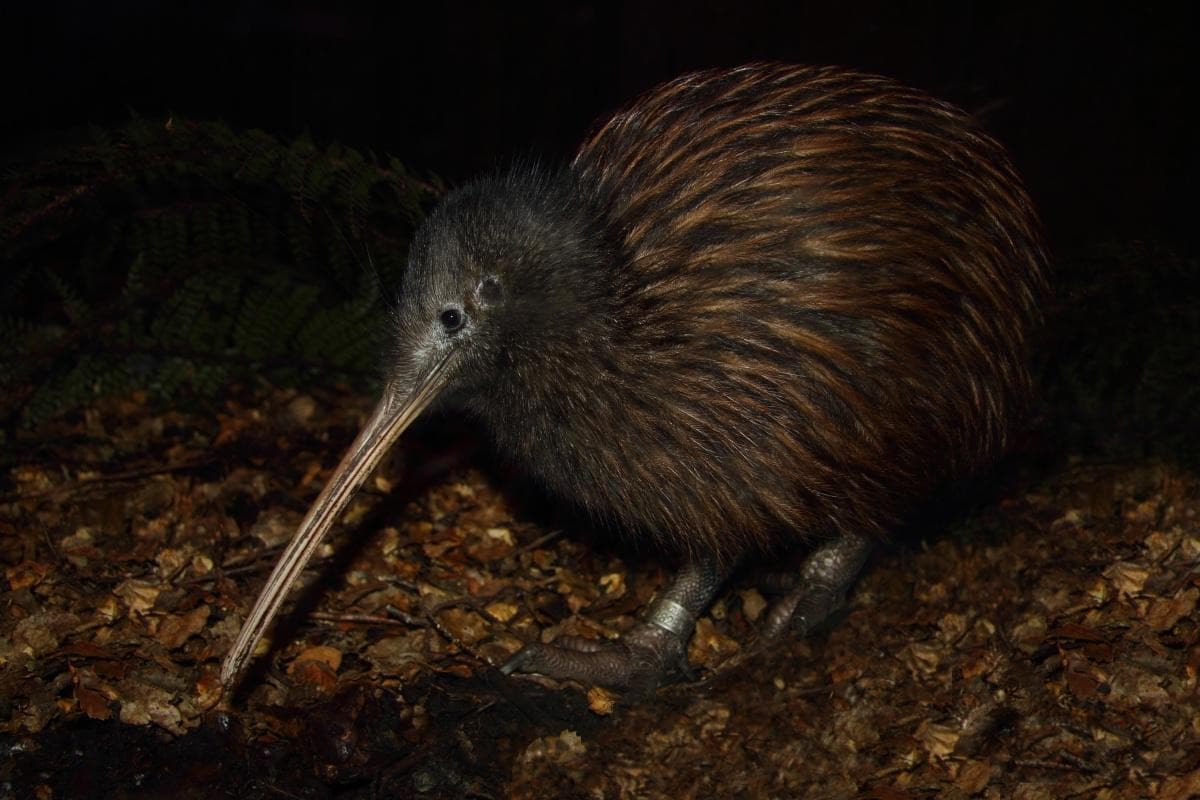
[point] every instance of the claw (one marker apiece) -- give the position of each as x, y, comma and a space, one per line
641, 658
638, 661
519, 660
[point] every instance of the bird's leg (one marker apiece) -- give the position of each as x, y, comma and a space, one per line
821, 587
640, 659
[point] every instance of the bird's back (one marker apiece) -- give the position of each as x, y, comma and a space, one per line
826, 291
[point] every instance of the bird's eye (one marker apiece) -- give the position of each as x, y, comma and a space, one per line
452, 319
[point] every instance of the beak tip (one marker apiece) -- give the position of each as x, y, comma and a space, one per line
230, 671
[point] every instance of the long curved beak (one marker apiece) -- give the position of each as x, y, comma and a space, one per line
395, 411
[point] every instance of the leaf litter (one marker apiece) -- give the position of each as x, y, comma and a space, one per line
1046, 646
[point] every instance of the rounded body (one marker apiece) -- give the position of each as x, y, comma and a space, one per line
810, 303
761, 304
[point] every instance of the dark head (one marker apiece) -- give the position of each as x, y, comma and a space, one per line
507, 273
508, 278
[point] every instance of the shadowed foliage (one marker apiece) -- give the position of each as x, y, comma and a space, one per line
175, 257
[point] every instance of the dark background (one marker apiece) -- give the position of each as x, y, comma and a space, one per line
1092, 103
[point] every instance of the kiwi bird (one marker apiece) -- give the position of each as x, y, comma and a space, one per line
762, 307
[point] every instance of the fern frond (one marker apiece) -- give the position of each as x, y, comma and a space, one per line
175, 256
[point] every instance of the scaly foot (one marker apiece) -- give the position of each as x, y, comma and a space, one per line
636, 662
825, 578
640, 659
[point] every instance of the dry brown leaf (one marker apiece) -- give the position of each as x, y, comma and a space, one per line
708, 646
567, 747
232, 425
398, 655
613, 584
938, 740
92, 703
1164, 613
1127, 577
208, 689
1084, 683
138, 596
175, 629
503, 611
322, 654
464, 625
978, 663
172, 560
1029, 633
503, 535
494, 545
1033, 791
1182, 787
275, 527
952, 626
300, 410
26, 574
922, 658
41, 633
144, 704
973, 777
753, 604
79, 547
601, 701
92, 695
317, 666
1161, 543
313, 673
438, 549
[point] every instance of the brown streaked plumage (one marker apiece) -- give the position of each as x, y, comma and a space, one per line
837, 274
762, 305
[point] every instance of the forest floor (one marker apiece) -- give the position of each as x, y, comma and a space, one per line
1044, 645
